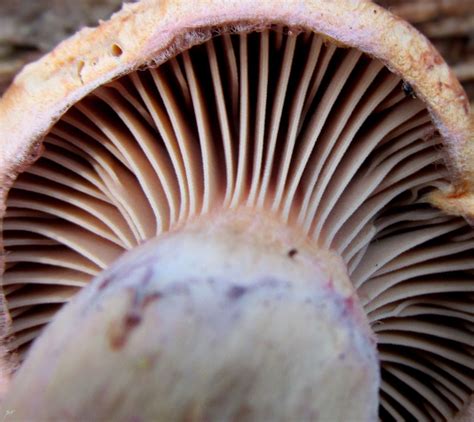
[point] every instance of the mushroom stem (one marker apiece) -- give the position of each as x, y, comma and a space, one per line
233, 316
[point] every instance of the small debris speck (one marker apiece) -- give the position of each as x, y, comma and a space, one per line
292, 252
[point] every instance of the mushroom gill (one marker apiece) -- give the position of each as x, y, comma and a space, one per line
324, 137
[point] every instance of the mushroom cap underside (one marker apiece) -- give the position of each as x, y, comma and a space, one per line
402, 168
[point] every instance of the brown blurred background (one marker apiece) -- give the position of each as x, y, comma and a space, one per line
30, 28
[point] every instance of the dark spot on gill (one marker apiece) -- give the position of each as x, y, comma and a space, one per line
292, 252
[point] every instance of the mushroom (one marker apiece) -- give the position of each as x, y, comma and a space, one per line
240, 210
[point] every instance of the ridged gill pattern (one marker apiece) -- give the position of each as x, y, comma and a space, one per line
325, 137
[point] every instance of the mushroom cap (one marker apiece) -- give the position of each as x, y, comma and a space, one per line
150, 32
